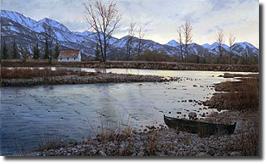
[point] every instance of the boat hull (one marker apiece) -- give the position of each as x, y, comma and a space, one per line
201, 128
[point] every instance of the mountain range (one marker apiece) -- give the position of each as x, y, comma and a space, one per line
27, 32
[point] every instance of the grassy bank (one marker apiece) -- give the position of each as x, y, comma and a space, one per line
242, 95
46, 76
241, 99
136, 65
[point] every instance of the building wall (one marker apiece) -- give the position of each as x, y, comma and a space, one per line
64, 59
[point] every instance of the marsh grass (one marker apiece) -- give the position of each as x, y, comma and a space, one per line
48, 143
45, 72
248, 141
152, 143
242, 95
51, 144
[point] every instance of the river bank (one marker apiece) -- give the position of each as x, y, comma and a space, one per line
161, 141
135, 65
34, 76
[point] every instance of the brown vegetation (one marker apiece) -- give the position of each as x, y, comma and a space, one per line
140, 64
35, 76
249, 141
240, 95
241, 99
28, 73
155, 56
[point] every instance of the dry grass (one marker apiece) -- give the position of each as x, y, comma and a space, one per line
249, 143
240, 95
151, 146
126, 137
135, 64
230, 75
51, 145
26, 73
248, 140
244, 96
242, 99
113, 135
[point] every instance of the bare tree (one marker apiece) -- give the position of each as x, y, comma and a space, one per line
180, 38
130, 40
187, 31
231, 43
141, 35
102, 19
220, 41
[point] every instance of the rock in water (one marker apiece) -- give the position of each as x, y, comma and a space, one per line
192, 116
202, 155
102, 153
235, 153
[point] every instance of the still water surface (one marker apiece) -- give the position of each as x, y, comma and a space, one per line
32, 116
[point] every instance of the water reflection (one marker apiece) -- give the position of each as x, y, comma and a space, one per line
33, 115
100, 70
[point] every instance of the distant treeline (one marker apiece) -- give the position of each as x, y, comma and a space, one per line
49, 52
207, 59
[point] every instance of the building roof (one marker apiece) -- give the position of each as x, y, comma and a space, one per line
69, 53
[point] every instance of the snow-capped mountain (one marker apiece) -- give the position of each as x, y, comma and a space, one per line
18, 18
27, 32
206, 45
215, 48
37, 26
53, 23
173, 43
245, 48
146, 45
242, 48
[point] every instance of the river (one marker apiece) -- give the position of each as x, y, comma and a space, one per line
33, 116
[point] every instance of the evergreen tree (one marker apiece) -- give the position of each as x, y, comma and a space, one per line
4, 51
15, 50
46, 55
198, 59
50, 56
24, 54
36, 52
57, 51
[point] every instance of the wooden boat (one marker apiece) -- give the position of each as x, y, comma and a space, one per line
203, 129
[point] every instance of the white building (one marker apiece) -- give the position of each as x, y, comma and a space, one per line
69, 56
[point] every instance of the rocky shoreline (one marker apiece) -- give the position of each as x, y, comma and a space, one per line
161, 142
84, 79
164, 142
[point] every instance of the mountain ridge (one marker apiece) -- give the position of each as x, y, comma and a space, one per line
26, 30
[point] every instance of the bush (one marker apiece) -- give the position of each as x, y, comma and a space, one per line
155, 56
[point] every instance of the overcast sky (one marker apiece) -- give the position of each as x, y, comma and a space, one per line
160, 17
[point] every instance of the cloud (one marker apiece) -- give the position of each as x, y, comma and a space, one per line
159, 17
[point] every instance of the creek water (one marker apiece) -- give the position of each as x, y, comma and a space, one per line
33, 116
